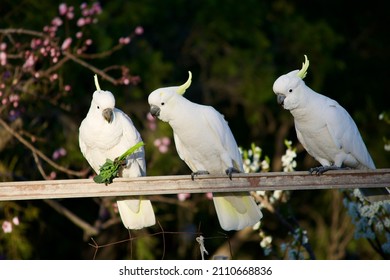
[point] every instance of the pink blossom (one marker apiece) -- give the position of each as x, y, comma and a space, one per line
67, 88
81, 22
15, 220
151, 122
183, 196
52, 175
124, 40
96, 8
3, 58
13, 98
157, 142
43, 51
163, 149
139, 30
61, 152
88, 42
62, 9
53, 77
209, 195
79, 34
35, 43
30, 61
56, 21
53, 52
166, 141
162, 144
66, 44
52, 30
7, 227
3, 46
85, 12
70, 15
83, 6
88, 20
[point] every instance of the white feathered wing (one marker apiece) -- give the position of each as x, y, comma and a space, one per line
100, 141
329, 134
216, 151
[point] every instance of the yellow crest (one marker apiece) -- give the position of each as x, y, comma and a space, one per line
182, 89
96, 82
302, 73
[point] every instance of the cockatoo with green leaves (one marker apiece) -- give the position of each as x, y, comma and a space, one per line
107, 133
324, 128
206, 144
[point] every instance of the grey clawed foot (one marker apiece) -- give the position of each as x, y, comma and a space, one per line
322, 169
230, 171
317, 170
199, 172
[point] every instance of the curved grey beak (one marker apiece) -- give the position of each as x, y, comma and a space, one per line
154, 110
108, 115
280, 99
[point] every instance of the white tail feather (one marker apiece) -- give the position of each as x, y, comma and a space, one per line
236, 212
136, 213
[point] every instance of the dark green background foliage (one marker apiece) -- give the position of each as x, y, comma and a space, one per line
235, 50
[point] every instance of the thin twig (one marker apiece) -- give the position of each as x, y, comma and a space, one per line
23, 31
39, 166
39, 153
163, 236
102, 54
91, 67
86, 227
96, 246
266, 204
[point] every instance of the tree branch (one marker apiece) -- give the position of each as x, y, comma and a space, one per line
87, 228
91, 67
39, 153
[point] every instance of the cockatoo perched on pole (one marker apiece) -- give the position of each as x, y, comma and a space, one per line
205, 143
107, 133
325, 129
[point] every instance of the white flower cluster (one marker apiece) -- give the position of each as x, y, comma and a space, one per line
385, 116
253, 163
251, 160
371, 220
288, 159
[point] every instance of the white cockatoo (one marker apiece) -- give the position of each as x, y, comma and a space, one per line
205, 143
324, 128
107, 133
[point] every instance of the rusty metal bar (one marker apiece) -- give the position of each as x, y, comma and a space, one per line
152, 185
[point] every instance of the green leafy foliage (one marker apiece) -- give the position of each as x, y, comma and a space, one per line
110, 169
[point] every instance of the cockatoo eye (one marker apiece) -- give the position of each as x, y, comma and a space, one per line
98, 107
290, 90
162, 103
